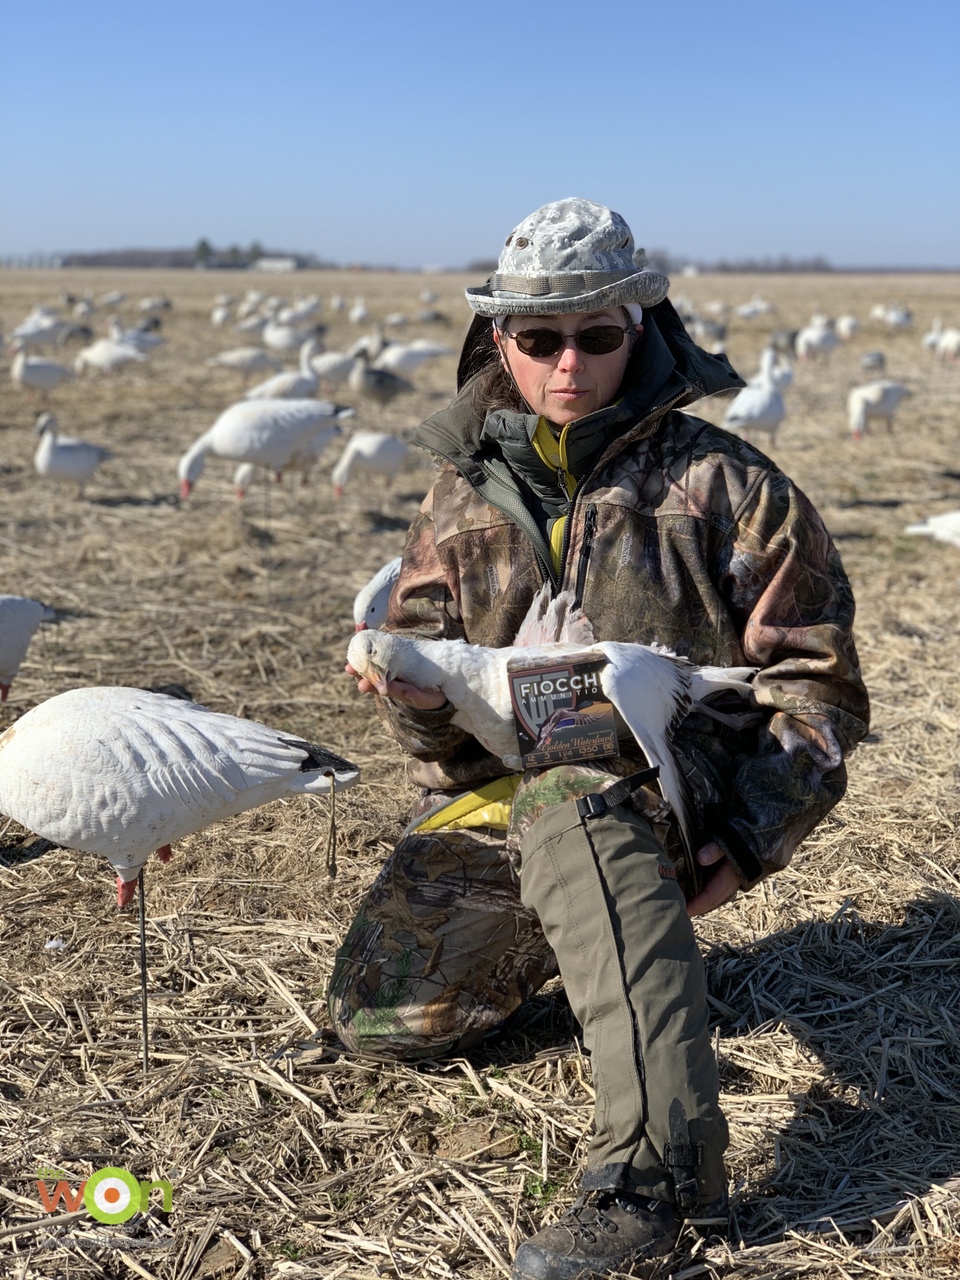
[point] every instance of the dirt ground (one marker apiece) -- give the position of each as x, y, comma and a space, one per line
834, 987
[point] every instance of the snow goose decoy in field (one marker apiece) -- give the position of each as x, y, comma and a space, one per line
652, 688
879, 399
372, 452
372, 601
308, 452
407, 357
333, 368
123, 772
291, 386
375, 384
759, 405
816, 340
873, 362
846, 326
143, 340
948, 345
277, 434
245, 360
942, 528
63, 457
19, 619
33, 373
106, 355
358, 313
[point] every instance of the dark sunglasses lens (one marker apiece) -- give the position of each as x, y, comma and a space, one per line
539, 342
600, 340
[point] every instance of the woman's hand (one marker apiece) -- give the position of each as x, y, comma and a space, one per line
721, 886
400, 691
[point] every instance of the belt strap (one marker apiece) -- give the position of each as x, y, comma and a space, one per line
596, 804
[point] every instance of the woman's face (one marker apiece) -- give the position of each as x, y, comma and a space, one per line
568, 385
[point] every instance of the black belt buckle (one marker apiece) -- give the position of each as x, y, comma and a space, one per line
591, 806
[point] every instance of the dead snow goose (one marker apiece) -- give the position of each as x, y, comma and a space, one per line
372, 601
650, 687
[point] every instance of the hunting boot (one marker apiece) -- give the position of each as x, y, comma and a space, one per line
607, 1231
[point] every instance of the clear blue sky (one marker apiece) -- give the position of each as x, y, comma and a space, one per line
420, 133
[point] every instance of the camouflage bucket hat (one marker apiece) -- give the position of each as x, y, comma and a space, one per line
571, 255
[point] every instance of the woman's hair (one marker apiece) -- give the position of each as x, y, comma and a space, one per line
493, 388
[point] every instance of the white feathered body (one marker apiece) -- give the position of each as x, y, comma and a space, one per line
65, 458
370, 451
371, 602
277, 434
942, 528
650, 687
19, 619
38, 374
122, 772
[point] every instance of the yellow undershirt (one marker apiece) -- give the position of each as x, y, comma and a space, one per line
552, 451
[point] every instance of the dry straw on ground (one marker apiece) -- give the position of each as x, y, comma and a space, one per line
834, 987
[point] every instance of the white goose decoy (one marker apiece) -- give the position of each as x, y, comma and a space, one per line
308, 452
757, 306
220, 315
372, 452
123, 773
63, 457
106, 355
759, 405
277, 434
33, 373
407, 357
879, 399
284, 337
358, 313
332, 367
948, 345
291, 386
372, 601
245, 360
19, 619
942, 528
816, 341
652, 688
370, 344
140, 339
846, 326
375, 384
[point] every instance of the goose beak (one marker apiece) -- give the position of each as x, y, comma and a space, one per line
5, 689
338, 490
357, 626
186, 488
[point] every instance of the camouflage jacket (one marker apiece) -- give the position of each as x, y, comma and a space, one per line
677, 533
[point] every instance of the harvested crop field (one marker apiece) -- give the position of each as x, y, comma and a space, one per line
835, 987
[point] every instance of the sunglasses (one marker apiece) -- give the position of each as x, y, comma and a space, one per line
597, 340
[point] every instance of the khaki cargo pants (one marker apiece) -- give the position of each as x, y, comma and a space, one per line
450, 940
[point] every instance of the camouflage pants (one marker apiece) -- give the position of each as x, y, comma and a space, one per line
451, 938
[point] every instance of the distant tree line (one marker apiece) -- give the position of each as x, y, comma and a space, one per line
203, 255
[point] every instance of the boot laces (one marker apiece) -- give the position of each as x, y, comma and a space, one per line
589, 1211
